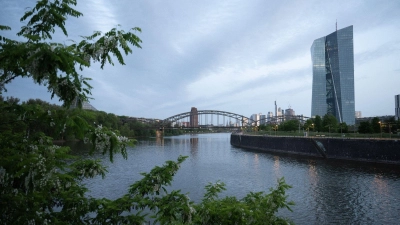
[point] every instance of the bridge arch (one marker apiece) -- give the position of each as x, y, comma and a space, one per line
242, 120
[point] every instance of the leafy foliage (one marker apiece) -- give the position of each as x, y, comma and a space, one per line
41, 183
254, 208
329, 123
318, 123
289, 125
53, 64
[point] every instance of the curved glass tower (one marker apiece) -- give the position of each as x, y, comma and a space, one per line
333, 76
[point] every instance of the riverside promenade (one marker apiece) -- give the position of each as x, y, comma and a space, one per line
378, 150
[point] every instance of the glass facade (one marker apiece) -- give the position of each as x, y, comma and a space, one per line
333, 76
397, 106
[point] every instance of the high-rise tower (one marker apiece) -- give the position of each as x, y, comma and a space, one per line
333, 76
194, 117
397, 106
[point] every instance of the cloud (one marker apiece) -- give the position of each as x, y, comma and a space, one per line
99, 15
237, 56
223, 80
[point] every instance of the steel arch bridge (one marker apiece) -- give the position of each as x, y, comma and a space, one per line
243, 120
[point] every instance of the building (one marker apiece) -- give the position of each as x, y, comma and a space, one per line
255, 119
270, 116
358, 114
333, 76
263, 119
194, 117
245, 122
289, 112
397, 106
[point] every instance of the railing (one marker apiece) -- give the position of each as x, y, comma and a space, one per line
325, 135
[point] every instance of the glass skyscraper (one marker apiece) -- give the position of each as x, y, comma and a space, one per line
397, 106
333, 76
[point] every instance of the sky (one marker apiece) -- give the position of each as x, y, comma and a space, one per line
233, 56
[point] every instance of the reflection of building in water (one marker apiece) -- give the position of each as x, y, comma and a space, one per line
160, 141
194, 145
256, 163
276, 167
380, 184
312, 172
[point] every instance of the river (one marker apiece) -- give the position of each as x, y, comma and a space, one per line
337, 192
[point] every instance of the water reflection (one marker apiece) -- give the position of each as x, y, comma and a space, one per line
159, 141
194, 145
276, 167
324, 191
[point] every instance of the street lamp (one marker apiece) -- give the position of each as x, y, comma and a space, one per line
312, 125
329, 134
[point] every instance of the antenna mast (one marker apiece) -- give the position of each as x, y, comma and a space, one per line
336, 24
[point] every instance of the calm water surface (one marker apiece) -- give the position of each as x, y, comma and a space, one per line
324, 191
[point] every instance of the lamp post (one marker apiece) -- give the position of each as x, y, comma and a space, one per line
312, 125
329, 134
380, 126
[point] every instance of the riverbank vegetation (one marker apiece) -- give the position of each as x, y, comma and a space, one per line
42, 183
328, 126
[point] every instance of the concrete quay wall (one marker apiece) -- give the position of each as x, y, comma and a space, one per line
369, 150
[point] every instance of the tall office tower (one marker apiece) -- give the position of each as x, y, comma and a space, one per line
194, 117
333, 76
270, 116
397, 106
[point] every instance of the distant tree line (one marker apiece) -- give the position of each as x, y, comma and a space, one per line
74, 118
376, 126
329, 123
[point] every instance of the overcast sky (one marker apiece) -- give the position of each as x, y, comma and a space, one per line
234, 56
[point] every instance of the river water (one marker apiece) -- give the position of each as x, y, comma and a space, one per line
325, 192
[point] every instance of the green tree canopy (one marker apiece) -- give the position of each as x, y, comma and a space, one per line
376, 125
309, 124
289, 125
329, 123
365, 127
318, 123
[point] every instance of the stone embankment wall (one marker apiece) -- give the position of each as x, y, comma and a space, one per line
371, 150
